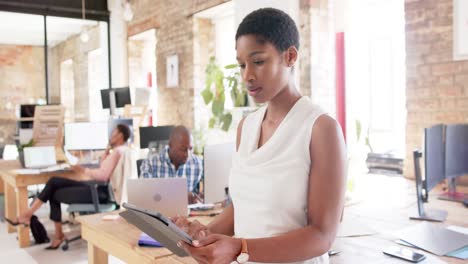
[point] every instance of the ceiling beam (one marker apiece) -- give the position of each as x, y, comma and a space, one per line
95, 9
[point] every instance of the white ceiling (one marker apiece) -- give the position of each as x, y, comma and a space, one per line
26, 29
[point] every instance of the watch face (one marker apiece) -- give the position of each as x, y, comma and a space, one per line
243, 258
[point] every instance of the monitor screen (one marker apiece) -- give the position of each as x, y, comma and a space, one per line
122, 97
456, 150
434, 155
217, 163
154, 134
86, 136
126, 121
27, 110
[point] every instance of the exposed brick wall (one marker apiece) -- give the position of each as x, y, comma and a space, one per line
175, 30
22, 81
174, 23
436, 86
305, 31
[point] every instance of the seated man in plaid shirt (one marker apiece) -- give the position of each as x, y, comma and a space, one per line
176, 160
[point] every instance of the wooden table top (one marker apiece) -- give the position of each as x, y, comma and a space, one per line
384, 208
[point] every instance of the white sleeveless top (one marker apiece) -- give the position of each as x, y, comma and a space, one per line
269, 185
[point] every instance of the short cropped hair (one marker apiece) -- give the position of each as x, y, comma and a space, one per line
273, 25
124, 130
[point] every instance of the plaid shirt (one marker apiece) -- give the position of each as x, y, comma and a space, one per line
159, 165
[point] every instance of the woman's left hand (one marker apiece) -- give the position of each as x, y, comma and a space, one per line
215, 248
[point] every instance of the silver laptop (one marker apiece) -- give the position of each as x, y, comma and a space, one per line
39, 157
167, 196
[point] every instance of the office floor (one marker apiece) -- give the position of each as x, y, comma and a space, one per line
76, 254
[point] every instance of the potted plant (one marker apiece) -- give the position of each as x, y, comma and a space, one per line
217, 83
21, 150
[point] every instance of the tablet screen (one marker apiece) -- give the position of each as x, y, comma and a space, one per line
161, 218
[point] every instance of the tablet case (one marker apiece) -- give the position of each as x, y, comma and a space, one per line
155, 229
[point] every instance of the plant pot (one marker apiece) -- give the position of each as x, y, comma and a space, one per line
21, 157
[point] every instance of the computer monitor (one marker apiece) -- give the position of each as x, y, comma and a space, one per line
434, 158
126, 121
122, 97
86, 136
27, 111
159, 134
422, 194
25, 135
217, 162
434, 161
456, 163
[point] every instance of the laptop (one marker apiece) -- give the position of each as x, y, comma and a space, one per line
39, 157
167, 196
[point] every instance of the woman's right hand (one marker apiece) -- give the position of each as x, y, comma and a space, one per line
194, 228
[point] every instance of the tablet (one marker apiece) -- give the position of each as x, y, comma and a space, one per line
157, 226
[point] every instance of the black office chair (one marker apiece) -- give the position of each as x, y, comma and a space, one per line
92, 208
139, 162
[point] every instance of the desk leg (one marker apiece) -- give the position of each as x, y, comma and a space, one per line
96, 255
1, 185
10, 205
21, 206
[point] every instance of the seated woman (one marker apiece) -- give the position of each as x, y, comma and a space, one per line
62, 190
287, 180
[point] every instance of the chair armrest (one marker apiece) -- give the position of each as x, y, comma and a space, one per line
93, 185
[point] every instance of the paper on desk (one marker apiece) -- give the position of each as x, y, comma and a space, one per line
27, 171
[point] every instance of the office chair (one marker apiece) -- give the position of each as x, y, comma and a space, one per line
138, 164
92, 208
116, 186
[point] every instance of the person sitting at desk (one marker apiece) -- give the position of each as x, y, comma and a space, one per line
176, 160
62, 190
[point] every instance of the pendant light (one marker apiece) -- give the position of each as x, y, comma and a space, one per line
84, 36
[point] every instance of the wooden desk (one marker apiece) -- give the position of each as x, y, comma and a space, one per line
386, 206
7, 165
387, 201
120, 239
16, 195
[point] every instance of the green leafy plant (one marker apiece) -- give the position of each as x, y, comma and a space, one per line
216, 85
366, 139
27, 145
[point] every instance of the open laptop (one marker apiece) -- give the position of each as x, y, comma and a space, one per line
167, 196
39, 157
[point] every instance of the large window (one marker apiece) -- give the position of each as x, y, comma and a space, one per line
67, 89
96, 82
215, 29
